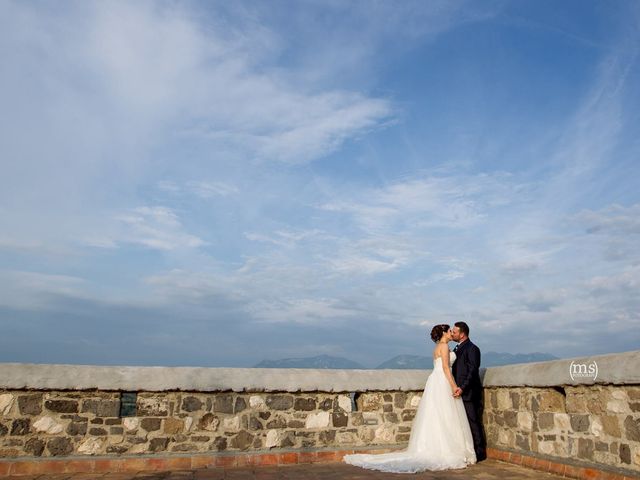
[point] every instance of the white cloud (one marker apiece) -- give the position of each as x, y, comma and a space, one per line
156, 228
26, 289
451, 201
615, 219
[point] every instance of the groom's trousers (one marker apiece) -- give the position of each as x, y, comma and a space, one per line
474, 414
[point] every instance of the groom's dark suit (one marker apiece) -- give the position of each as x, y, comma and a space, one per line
466, 371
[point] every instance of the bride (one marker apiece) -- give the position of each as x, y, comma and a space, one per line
440, 438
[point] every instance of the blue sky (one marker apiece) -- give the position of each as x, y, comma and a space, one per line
218, 183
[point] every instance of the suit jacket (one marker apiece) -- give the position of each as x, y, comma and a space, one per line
466, 371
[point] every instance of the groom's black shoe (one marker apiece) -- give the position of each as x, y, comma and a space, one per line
481, 457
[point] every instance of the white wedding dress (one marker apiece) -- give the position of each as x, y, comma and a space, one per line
440, 437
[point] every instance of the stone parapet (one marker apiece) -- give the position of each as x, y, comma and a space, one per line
64, 412
63, 423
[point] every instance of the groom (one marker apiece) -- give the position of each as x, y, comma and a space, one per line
466, 371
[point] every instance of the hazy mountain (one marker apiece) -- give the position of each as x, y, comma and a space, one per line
409, 362
321, 361
496, 359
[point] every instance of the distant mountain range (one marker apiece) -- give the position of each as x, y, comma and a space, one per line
414, 362
321, 361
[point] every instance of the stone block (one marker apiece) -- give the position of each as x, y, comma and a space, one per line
370, 402
317, 420
231, 424
304, 404
506, 438
579, 423
30, 404
585, 448
625, 453
174, 425
191, 404
511, 418
618, 406
611, 425
327, 437
551, 401
152, 406
256, 424
159, 444
525, 421
391, 417
408, 415
339, 419
91, 446
20, 426
344, 403
632, 428
151, 424
400, 400
117, 449
6, 402
280, 422
131, 424
515, 400
48, 425
34, 446
503, 400
209, 422
223, 404
242, 441
547, 448
98, 432
240, 405
59, 446
219, 444
384, 434
633, 393
357, 419
346, 438
257, 402
279, 402
62, 406
77, 428
522, 442
562, 421
546, 421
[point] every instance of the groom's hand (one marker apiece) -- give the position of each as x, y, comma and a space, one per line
457, 392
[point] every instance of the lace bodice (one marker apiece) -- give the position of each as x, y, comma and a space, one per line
452, 358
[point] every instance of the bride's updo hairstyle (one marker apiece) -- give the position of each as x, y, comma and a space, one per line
438, 331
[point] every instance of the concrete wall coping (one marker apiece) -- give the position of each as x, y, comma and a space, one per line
618, 369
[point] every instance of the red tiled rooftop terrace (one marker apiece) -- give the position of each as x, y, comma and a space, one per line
487, 470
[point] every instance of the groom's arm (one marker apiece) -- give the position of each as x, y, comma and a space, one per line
473, 366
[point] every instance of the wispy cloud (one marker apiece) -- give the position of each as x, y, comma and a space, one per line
157, 228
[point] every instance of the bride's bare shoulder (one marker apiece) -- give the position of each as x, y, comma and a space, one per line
441, 350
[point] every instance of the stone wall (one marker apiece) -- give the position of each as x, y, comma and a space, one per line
65, 423
594, 424
538, 409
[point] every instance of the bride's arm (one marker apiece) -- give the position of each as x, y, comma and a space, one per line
445, 366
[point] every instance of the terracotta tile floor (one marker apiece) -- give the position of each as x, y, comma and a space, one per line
487, 470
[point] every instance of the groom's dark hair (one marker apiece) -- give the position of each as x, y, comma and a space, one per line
463, 327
